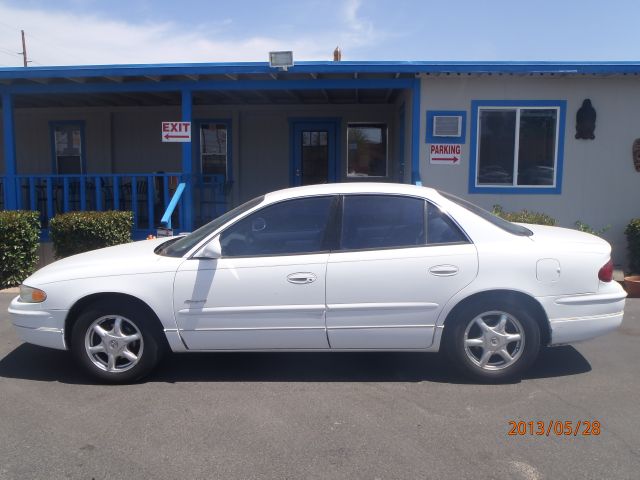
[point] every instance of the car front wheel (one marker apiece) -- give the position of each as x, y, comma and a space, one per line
493, 342
116, 345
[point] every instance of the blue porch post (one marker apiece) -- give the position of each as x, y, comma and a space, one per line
187, 166
415, 131
10, 200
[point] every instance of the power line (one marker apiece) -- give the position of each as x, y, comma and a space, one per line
57, 47
8, 52
46, 43
9, 26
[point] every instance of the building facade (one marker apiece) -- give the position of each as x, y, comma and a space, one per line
79, 138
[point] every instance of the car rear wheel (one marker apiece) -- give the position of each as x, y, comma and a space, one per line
493, 342
116, 344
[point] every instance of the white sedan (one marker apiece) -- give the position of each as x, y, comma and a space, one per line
339, 267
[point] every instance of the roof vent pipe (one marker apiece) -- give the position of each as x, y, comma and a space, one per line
337, 54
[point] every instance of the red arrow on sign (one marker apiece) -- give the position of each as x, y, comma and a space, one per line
447, 159
167, 136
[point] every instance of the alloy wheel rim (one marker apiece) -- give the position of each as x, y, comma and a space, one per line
114, 343
494, 340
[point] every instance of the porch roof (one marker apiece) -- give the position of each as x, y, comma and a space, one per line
302, 70
256, 82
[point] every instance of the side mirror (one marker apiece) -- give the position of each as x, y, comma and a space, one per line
211, 251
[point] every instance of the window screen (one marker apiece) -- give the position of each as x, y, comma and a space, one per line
447, 126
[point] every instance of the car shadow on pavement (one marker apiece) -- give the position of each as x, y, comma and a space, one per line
30, 362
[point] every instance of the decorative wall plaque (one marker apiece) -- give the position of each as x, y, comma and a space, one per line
586, 121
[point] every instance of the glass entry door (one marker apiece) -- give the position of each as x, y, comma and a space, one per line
314, 152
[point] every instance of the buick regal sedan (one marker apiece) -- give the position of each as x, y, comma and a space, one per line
341, 267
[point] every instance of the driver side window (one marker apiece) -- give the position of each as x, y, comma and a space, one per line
287, 228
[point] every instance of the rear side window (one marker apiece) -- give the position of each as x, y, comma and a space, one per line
441, 229
382, 221
291, 227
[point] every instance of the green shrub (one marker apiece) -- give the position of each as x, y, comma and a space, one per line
78, 232
584, 227
20, 235
524, 216
633, 243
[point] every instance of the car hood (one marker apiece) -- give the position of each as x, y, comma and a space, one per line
543, 234
127, 259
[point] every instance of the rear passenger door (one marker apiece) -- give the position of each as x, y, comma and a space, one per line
398, 260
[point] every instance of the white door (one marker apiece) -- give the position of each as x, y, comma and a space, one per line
268, 289
400, 260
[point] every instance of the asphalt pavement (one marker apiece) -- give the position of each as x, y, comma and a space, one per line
322, 415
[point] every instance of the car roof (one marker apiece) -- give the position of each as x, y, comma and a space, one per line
352, 187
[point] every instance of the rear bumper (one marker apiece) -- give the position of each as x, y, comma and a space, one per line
582, 317
37, 325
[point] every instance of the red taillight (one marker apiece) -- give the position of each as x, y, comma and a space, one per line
606, 272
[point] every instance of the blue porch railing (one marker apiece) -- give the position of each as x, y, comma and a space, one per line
147, 195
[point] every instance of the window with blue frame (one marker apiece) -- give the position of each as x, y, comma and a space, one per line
213, 148
68, 148
517, 146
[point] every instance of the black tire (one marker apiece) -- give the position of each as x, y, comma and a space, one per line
134, 321
464, 328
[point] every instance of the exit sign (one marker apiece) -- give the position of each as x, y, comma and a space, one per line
176, 131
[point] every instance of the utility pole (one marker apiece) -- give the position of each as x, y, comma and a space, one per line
24, 49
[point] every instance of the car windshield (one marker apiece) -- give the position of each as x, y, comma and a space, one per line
184, 244
489, 217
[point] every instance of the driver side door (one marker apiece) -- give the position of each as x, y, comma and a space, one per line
267, 291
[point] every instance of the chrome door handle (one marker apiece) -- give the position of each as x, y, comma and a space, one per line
301, 278
443, 270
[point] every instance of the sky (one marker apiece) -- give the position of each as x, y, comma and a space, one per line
93, 32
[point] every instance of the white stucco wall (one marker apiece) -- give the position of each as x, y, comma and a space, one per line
600, 186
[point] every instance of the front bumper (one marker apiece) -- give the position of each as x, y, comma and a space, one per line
38, 325
582, 317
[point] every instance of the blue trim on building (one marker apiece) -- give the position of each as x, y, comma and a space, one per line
83, 156
10, 165
415, 132
402, 127
454, 67
450, 113
187, 162
542, 190
171, 86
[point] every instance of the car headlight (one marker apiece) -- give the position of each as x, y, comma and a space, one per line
31, 295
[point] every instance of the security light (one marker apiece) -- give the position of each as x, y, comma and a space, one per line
281, 60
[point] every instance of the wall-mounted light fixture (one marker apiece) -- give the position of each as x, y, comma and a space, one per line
282, 60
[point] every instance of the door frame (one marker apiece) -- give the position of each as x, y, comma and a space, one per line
333, 127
